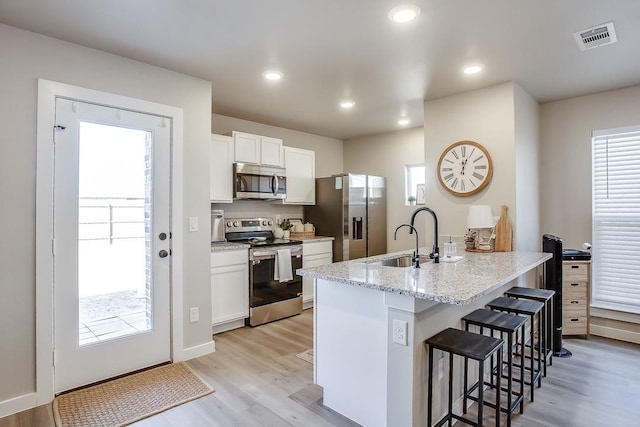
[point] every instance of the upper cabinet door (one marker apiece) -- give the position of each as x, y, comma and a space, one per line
247, 147
271, 151
221, 156
301, 176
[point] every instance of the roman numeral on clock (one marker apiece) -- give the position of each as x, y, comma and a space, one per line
447, 169
454, 183
478, 158
455, 154
462, 186
476, 175
448, 177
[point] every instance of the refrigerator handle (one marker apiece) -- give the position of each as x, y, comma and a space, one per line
357, 227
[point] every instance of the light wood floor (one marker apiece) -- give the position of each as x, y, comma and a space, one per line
260, 382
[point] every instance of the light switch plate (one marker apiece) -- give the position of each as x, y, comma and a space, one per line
193, 223
194, 314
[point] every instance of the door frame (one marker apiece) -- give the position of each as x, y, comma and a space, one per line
47, 93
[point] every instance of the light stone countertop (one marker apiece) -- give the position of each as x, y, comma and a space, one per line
461, 283
315, 239
227, 246
230, 246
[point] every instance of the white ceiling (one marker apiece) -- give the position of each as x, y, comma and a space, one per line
334, 49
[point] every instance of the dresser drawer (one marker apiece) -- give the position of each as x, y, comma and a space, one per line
575, 272
573, 290
574, 306
574, 325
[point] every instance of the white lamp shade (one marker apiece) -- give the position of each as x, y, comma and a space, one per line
480, 217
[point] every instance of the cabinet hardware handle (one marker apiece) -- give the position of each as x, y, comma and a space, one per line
575, 320
575, 284
574, 302
575, 266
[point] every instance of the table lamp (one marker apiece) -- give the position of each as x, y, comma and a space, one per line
481, 219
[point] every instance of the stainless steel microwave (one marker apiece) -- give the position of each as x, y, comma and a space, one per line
258, 182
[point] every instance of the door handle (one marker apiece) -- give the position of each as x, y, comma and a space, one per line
275, 184
163, 253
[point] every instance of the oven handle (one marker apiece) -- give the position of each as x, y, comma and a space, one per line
257, 256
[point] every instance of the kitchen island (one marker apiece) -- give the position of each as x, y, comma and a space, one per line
368, 377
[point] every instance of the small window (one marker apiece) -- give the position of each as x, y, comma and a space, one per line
414, 176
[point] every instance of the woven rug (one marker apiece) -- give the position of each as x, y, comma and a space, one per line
128, 399
307, 356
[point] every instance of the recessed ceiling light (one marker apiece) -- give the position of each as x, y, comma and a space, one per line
404, 13
272, 75
404, 121
472, 69
347, 104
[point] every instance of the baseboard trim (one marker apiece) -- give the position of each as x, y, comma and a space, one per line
195, 351
613, 333
18, 404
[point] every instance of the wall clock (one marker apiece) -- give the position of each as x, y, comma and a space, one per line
465, 168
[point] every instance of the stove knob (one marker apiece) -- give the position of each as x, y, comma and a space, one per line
270, 223
229, 223
264, 222
236, 223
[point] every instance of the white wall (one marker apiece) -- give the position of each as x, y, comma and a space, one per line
527, 236
485, 116
26, 57
386, 155
566, 128
328, 150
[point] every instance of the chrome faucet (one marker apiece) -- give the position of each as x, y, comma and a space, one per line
416, 257
434, 255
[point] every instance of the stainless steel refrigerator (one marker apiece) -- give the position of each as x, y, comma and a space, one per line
352, 208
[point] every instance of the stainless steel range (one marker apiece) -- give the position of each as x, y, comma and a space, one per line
275, 291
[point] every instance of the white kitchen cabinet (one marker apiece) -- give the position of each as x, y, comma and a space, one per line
314, 254
250, 148
229, 289
221, 157
301, 176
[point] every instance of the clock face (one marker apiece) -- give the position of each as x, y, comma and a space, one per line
465, 168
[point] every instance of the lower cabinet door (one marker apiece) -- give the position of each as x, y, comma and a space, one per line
307, 282
229, 293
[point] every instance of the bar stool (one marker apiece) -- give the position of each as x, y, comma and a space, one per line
545, 296
469, 346
512, 326
531, 309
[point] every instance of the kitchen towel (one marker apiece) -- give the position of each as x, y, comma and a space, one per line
282, 270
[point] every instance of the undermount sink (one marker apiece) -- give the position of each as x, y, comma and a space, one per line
400, 261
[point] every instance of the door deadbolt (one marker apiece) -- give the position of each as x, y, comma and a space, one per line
162, 236
163, 253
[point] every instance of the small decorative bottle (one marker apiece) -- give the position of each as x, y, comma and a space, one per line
450, 249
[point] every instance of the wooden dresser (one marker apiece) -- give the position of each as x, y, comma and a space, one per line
576, 277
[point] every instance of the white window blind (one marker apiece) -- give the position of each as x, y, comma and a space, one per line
616, 219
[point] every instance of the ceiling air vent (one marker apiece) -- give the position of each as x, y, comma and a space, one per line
597, 36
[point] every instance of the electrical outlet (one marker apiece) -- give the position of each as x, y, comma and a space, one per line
194, 314
440, 368
400, 332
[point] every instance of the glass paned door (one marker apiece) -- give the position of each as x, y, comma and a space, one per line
112, 242
114, 292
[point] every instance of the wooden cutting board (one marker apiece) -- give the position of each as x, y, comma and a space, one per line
503, 232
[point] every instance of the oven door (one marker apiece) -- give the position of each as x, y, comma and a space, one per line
264, 289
